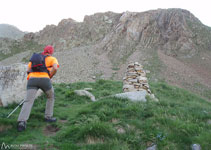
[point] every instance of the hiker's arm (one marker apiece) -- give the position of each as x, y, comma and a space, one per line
28, 68
53, 70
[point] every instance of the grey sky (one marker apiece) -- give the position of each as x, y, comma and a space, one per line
34, 15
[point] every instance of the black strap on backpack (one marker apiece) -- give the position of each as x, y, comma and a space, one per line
38, 63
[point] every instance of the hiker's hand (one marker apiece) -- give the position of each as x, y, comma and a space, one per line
53, 70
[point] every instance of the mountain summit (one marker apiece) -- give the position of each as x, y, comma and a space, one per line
10, 31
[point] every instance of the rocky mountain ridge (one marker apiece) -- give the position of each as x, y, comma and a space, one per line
171, 30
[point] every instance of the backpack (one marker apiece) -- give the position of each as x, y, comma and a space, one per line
38, 63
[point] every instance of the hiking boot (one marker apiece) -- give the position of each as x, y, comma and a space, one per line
21, 126
51, 119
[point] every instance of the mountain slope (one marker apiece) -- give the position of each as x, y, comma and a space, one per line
177, 121
9, 31
104, 43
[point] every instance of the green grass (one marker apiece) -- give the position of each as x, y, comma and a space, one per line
202, 90
178, 120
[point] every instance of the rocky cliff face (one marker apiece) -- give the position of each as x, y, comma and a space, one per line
172, 30
69, 33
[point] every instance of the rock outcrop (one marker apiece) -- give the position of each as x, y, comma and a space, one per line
12, 83
171, 30
133, 96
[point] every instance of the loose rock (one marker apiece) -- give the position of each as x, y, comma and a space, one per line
133, 96
154, 147
85, 93
195, 147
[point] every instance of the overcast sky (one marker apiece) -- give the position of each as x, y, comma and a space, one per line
34, 15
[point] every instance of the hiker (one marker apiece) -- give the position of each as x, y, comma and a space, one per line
39, 77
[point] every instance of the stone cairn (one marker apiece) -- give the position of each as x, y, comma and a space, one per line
135, 79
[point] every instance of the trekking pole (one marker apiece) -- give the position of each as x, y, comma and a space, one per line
16, 108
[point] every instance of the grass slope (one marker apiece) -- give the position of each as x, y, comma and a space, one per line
178, 120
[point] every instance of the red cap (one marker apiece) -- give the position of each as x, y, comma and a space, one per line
48, 50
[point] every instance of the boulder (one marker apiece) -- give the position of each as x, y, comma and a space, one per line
154, 147
195, 147
85, 93
12, 83
133, 96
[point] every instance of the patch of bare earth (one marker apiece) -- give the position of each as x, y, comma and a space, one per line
5, 127
202, 65
50, 130
63, 121
93, 140
185, 75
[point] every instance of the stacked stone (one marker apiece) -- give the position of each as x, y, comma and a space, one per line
135, 79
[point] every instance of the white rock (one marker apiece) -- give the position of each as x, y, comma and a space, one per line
131, 90
85, 93
138, 68
136, 63
133, 80
154, 147
195, 147
131, 65
133, 96
141, 78
131, 74
12, 83
143, 74
120, 130
88, 89
128, 86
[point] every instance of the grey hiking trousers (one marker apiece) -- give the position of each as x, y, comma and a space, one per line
33, 85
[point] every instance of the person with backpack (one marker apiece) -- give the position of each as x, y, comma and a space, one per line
41, 69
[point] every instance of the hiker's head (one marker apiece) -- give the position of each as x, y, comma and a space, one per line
48, 50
